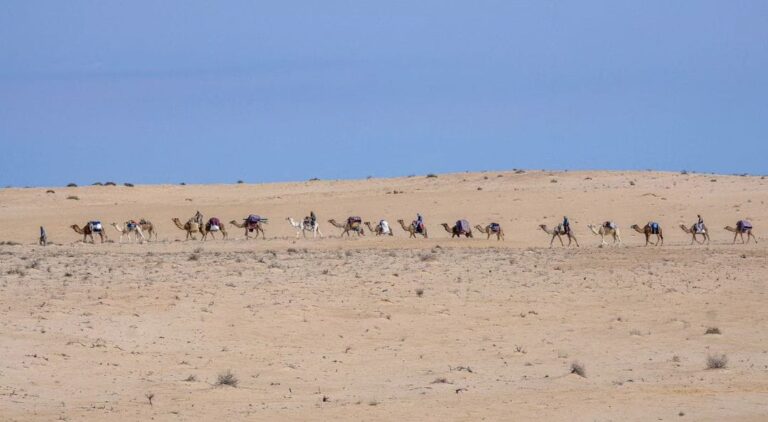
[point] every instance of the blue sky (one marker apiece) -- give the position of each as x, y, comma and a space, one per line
201, 91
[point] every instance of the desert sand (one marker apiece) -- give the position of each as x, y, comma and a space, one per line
388, 328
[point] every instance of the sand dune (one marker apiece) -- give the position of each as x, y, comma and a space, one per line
387, 328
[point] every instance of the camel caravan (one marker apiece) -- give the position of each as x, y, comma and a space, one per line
253, 226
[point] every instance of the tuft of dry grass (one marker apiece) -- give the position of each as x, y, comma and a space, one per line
717, 362
712, 330
578, 369
227, 378
428, 257
194, 257
191, 378
73, 197
419, 292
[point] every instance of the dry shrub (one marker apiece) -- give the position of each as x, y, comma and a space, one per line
712, 330
717, 362
73, 197
578, 369
227, 378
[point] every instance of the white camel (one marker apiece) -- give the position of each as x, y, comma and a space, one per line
609, 228
304, 226
128, 229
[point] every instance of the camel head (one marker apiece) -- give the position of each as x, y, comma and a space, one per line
593, 228
446, 227
77, 229
480, 228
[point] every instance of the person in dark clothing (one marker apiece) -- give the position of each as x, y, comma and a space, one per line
699, 224
566, 224
312, 218
419, 223
43, 237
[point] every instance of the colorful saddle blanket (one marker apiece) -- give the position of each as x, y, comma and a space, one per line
214, 224
744, 225
462, 226
495, 227
95, 226
253, 219
654, 227
354, 220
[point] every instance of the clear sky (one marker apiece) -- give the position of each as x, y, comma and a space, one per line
207, 91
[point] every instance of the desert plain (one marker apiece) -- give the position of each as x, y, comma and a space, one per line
388, 328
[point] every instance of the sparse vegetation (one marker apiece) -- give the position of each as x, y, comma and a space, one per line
431, 176
240, 182
129, 185
428, 257
578, 369
50, 191
71, 185
717, 361
73, 197
194, 257
419, 292
227, 378
110, 184
191, 378
712, 330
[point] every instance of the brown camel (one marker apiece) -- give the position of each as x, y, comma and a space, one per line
694, 231
558, 233
457, 231
647, 230
493, 228
191, 227
379, 229
742, 227
212, 226
349, 226
250, 227
89, 229
412, 230
148, 228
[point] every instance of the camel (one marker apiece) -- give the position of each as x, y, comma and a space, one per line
558, 232
212, 226
412, 230
148, 228
129, 228
349, 226
305, 226
457, 231
191, 227
380, 228
648, 231
250, 227
490, 229
88, 230
694, 232
606, 229
740, 229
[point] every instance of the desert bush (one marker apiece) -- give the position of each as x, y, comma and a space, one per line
419, 292
97, 184
578, 369
712, 330
50, 191
73, 197
110, 184
227, 378
129, 185
194, 257
71, 185
431, 176
717, 362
